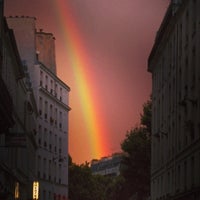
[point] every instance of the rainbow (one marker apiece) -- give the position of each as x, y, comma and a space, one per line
77, 54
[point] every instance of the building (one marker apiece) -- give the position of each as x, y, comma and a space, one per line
174, 63
52, 137
45, 41
107, 166
6, 104
37, 50
18, 113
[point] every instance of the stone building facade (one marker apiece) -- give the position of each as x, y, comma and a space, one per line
18, 113
37, 50
174, 63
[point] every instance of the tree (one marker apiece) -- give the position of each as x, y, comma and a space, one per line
146, 116
69, 160
80, 182
83, 185
136, 163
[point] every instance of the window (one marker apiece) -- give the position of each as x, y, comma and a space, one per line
178, 177
199, 130
46, 110
46, 82
56, 113
51, 87
40, 105
60, 142
39, 165
44, 168
60, 119
192, 171
193, 68
50, 140
168, 182
51, 114
180, 41
59, 173
55, 142
49, 195
60, 125
44, 194
45, 137
41, 78
56, 90
49, 170
194, 15
60, 94
39, 129
185, 174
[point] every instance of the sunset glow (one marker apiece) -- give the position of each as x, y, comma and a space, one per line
102, 48
78, 59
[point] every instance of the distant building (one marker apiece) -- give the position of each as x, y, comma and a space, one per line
37, 50
174, 63
107, 166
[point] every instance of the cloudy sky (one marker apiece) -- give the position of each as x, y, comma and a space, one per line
117, 36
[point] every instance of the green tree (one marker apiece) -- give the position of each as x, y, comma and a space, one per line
80, 182
146, 116
69, 160
85, 186
115, 187
108, 187
136, 163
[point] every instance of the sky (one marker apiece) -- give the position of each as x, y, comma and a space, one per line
102, 48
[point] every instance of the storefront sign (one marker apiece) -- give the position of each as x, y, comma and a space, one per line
35, 190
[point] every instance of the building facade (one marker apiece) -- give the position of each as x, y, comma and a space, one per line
6, 104
37, 50
107, 166
52, 134
18, 115
174, 63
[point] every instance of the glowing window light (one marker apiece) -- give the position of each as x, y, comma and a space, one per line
16, 190
35, 190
